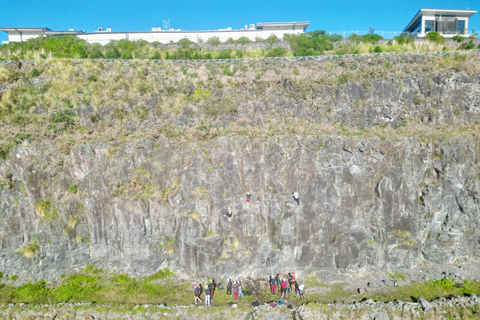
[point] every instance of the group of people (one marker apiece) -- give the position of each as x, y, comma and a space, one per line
209, 291
282, 286
232, 286
229, 213
236, 287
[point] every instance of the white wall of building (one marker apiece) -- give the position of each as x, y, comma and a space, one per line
24, 36
168, 36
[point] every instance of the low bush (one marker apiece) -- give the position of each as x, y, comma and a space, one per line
4, 151
435, 37
403, 39
243, 40
185, 43
272, 39
467, 46
214, 41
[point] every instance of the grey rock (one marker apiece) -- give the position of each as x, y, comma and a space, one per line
426, 306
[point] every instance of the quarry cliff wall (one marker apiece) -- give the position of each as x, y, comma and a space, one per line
364, 203
387, 169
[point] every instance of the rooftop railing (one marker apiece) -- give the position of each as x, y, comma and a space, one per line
383, 33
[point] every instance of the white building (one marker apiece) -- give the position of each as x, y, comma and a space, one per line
446, 22
263, 31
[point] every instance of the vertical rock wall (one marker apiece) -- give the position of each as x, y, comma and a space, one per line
365, 203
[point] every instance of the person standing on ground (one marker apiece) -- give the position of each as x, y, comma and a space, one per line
196, 291
296, 197
201, 289
235, 290
292, 281
229, 287
211, 286
284, 288
207, 297
301, 290
273, 285
279, 281
240, 293
249, 195
296, 288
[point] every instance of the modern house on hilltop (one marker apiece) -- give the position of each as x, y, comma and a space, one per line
104, 36
448, 23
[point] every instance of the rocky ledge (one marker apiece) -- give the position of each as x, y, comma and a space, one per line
443, 308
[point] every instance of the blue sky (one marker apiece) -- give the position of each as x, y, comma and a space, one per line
138, 15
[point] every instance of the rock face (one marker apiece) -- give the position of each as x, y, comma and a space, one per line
377, 201
365, 203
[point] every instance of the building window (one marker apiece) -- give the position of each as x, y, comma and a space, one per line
416, 27
429, 26
446, 24
461, 26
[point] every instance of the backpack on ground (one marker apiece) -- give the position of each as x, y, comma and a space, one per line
220, 286
272, 304
230, 304
255, 304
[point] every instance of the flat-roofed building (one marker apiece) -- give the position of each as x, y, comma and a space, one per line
446, 22
104, 36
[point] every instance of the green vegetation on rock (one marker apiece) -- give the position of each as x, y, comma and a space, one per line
435, 37
43, 207
73, 189
29, 249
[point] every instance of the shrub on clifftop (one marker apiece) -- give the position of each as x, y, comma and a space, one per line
435, 37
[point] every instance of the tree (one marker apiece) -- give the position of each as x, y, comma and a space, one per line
214, 41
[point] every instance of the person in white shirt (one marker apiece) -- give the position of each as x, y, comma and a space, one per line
301, 290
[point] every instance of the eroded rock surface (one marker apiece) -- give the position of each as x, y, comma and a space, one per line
365, 204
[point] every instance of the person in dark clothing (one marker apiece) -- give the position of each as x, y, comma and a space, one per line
249, 195
292, 281
197, 293
273, 285
201, 289
229, 287
296, 288
211, 286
